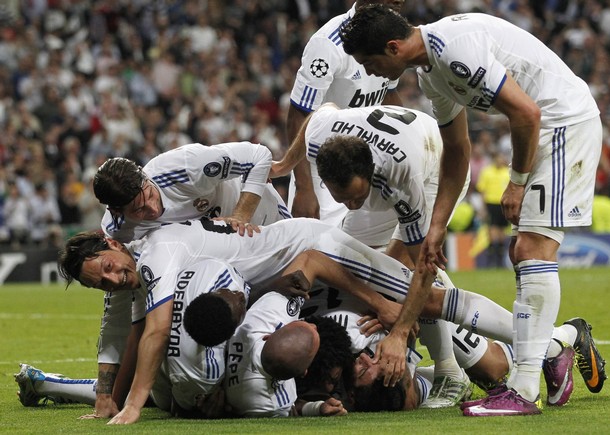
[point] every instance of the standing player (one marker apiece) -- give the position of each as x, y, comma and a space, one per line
189, 182
488, 64
328, 74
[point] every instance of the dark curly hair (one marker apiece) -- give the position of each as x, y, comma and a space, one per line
208, 320
79, 248
117, 182
349, 153
376, 397
334, 351
371, 28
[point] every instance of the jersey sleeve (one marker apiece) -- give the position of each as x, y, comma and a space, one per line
210, 165
319, 129
320, 62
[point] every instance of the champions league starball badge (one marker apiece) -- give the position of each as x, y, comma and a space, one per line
319, 68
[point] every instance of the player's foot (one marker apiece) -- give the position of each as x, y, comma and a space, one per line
590, 363
447, 392
492, 392
558, 376
505, 404
27, 377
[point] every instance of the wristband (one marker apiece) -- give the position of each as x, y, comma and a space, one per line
311, 409
518, 178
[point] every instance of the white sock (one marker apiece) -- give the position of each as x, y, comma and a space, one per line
534, 312
478, 314
424, 385
436, 336
74, 390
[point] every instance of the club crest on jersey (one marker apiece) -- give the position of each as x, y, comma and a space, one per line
405, 213
148, 277
212, 169
294, 305
459, 69
201, 204
318, 68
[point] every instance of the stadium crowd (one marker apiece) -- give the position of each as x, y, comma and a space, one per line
82, 81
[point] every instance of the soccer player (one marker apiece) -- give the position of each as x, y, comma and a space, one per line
269, 349
190, 373
328, 74
487, 64
225, 180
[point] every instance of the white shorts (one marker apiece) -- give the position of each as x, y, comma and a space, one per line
559, 191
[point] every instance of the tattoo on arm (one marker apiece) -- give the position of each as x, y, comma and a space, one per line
105, 382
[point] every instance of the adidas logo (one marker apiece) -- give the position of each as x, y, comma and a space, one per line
575, 212
356, 76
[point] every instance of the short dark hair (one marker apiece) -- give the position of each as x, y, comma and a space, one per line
117, 182
79, 248
342, 158
376, 397
334, 351
208, 320
371, 28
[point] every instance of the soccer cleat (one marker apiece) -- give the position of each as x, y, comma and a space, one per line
503, 404
27, 378
590, 363
558, 376
447, 392
493, 392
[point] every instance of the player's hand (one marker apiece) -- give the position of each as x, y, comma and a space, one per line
292, 284
105, 407
128, 415
431, 251
511, 202
305, 204
332, 407
239, 226
391, 353
369, 325
389, 314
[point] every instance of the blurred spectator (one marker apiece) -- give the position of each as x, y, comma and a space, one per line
45, 217
17, 217
492, 182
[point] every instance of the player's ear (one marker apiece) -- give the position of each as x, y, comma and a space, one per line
392, 47
114, 244
265, 337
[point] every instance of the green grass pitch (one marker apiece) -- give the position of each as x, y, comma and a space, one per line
56, 330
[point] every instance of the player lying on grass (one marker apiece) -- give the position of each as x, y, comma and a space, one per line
103, 263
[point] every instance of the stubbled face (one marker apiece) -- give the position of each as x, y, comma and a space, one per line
146, 205
354, 195
113, 269
365, 371
381, 65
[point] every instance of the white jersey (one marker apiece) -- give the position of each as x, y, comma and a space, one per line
327, 73
470, 55
249, 390
406, 145
260, 259
196, 180
190, 368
